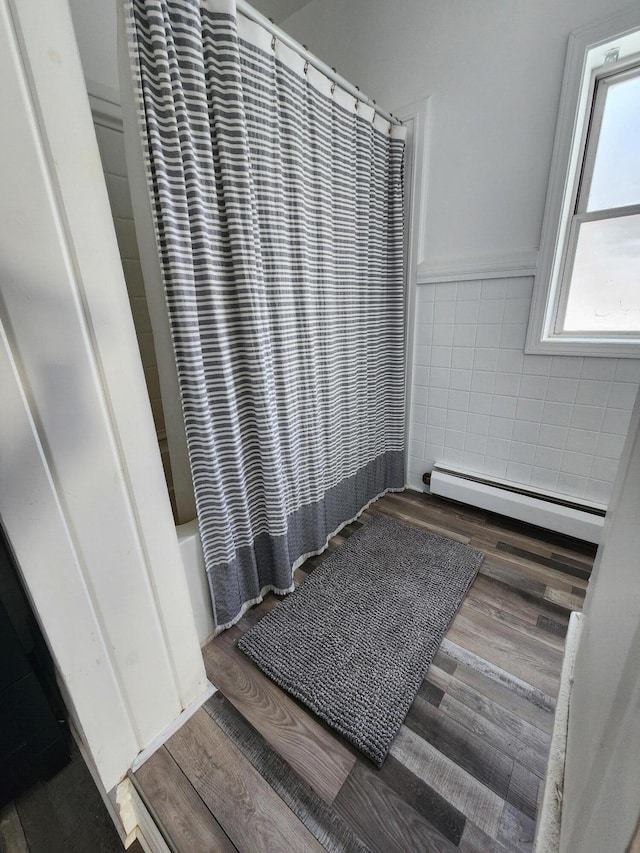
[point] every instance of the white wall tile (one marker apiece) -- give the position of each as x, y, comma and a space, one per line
456, 420
467, 312
444, 312
516, 310
480, 401
548, 457
557, 413
438, 397
599, 368
500, 427
592, 392
572, 485
503, 406
441, 356
577, 463
485, 358
628, 370
623, 395
462, 357
491, 311
588, 417
507, 383
521, 452
604, 469
459, 400
494, 289
552, 436
526, 431
609, 445
513, 335
436, 417
582, 440
454, 439
566, 366
534, 387
519, 473
562, 390
442, 334
616, 421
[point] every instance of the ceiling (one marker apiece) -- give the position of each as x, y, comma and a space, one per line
278, 10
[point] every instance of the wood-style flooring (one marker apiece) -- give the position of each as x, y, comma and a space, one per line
253, 770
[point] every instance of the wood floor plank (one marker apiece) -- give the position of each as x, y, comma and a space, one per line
550, 562
465, 770
528, 659
422, 798
524, 791
177, 809
478, 803
316, 755
516, 830
499, 693
498, 726
474, 840
248, 809
416, 522
479, 759
382, 819
321, 820
12, 838
517, 685
486, 605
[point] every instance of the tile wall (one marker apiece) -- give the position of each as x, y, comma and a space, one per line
478, 401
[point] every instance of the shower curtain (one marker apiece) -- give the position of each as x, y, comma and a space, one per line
278, 209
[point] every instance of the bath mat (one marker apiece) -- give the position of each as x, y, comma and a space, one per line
354, 642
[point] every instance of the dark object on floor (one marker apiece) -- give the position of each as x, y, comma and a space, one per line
355, 641
63, 815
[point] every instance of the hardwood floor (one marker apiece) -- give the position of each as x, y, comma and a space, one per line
254, 770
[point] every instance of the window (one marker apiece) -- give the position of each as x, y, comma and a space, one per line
587, 294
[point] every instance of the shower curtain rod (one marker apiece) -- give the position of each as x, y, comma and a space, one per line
249, 12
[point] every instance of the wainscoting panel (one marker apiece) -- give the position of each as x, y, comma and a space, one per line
553, 422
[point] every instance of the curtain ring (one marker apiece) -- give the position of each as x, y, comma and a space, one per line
306, 66
333, 87
273, 43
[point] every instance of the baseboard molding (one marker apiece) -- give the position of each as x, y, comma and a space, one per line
547, 838
479, 267
552, 512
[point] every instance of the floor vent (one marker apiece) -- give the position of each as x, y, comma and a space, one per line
579, 519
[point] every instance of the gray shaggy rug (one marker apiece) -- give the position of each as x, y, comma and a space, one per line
355, 640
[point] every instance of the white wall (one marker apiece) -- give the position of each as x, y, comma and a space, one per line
82, 494
493, 71
479, 402
493, 74
602, 774
95, 25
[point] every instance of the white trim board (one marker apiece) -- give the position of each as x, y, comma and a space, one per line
480, 267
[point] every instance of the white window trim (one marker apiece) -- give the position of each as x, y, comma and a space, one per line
586, 45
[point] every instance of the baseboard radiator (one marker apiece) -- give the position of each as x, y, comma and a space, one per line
544, 509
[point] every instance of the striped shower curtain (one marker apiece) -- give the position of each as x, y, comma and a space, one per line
278, 206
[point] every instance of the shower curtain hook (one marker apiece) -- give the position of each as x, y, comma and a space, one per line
273, 43
333, 87
306, 66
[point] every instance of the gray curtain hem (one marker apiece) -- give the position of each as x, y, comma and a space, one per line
271, 588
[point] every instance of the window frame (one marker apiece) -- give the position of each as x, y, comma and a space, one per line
586, 63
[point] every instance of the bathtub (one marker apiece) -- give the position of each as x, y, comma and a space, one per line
193, 561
